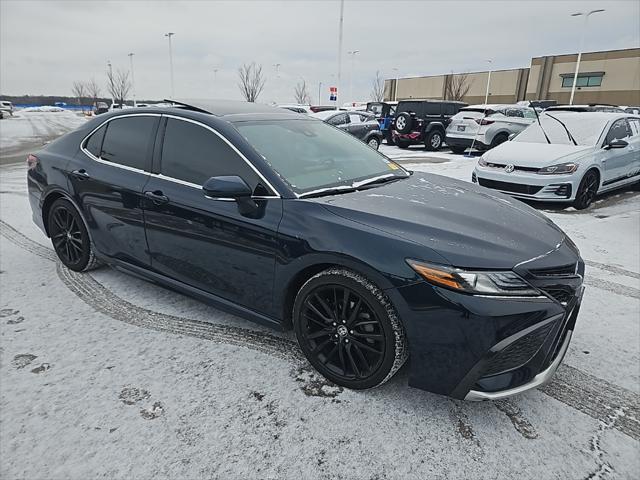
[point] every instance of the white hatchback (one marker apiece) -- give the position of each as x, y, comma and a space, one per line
567, 157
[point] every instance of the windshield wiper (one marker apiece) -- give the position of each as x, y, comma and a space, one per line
390, 177
543, 132
565, 129
321, 192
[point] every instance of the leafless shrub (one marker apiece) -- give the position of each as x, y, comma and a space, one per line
251, 81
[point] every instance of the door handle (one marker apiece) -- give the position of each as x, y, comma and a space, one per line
157, 197
81, 174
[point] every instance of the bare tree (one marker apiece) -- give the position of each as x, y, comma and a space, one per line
456, 86
118, 85
79, 91
251, 81
377, 89
301, 94
93, 90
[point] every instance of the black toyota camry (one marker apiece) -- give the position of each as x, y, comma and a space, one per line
293, 223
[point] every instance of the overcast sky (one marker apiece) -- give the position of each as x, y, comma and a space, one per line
46, 46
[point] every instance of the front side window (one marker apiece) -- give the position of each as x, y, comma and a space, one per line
310, 155
618, 131
194, 154
127, 141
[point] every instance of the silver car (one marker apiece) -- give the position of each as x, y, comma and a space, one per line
569, 157
486, 126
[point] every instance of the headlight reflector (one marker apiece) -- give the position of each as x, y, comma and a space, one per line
503, 283
559, 169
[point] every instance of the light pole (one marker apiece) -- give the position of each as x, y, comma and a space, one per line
584, 29
353, 54
338, 86
169, 35
133, 82
395, 86
111, 82
486, 95
319, 92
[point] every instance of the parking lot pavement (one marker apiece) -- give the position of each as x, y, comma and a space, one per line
105, 375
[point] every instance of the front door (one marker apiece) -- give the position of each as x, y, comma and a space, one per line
206, 243
107, 178
617, 162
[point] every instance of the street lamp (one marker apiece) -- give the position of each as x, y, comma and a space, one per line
395, 86
319, 92
584, 29
169, 35
353, 54
111, 82
486, 95
133, 82
340, 25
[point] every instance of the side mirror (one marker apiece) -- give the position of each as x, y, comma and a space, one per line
616, 144
227, 188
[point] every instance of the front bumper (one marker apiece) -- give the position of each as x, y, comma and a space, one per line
528, 185
481, 347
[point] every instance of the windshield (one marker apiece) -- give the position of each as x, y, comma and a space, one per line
311, 155
586, 131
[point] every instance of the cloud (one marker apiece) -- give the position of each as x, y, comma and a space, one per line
46, 46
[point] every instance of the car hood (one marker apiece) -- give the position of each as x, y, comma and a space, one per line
469, 226
524, 154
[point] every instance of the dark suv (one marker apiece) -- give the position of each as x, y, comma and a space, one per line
423, 121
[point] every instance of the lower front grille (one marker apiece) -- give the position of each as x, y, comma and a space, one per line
562, 295
510, 187
519, 352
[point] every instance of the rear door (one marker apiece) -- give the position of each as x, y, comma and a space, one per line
107, 178
340, 120
206, 243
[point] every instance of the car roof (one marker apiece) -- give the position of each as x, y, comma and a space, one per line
431, 100
494, 106
221, 108
324, 114
603, 116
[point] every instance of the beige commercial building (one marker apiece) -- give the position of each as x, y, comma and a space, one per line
611, 77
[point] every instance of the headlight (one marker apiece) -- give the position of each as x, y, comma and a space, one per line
559, 169
484, 283
482, 163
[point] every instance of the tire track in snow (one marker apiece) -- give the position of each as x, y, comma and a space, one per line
612, 287
612, 269
586, 393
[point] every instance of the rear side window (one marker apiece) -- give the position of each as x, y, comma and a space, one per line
449, 109
127, 141
340, 119
194, 154
433, 108
94, 142
634, 124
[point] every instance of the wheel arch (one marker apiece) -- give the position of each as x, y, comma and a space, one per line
315, 266
49, 200
435, 126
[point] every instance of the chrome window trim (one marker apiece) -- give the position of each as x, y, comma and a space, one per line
233, 147
106, 162
165, 177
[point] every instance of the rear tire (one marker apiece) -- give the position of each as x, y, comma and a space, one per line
374, 143
433, 141
389, 139
458, 149
70, 238
587, 190
404, 144
348, 329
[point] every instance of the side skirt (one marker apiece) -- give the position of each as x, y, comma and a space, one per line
206, 297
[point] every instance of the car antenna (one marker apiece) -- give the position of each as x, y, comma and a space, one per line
565, 129
538, 118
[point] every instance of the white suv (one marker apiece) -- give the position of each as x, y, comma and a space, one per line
569, 157
5, 107
486, 126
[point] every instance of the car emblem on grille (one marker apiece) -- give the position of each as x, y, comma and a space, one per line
509, 168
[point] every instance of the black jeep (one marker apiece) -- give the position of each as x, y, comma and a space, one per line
423, 121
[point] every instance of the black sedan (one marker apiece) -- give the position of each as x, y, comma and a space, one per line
292, 223
362, 125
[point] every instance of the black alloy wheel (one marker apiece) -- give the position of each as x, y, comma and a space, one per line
346, 332
69, 237
587, 190
434, 140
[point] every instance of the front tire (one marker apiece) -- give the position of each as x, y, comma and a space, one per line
433, 141
348, 329
69, 237
587, 190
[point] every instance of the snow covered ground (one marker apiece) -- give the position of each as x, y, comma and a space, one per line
105, 375
30, 128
